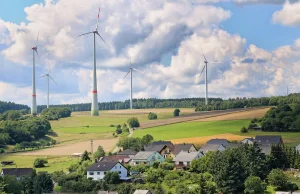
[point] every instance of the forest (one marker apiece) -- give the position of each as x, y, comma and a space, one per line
5, 106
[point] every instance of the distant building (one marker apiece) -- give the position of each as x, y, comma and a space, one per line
147, 157
212, 148
248, 140
165, 148
122, 159
142, 192
298, 148
127, 152
17, 172
265, 148
186, 147
184, 159
98, 170
217, 141
268, 139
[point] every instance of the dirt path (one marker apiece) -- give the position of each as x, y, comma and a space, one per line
192, 117
69, 149
256, 113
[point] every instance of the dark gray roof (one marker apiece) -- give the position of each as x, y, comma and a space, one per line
223, 142
268, 139
210, 147
167, 143
265, 148
182, 147
127, 152
143, 155
157, 148
102, 166
17, 171
234, 145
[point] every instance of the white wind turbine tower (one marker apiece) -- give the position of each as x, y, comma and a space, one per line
33, 106
48, 76
130, 71
206, 83
94, 107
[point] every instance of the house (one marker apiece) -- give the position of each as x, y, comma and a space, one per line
184, 159
127, 152
265, 148
147, 157
211, 147
217, 141
165, 148
268, 139
17, 172
122, 159
98, 170
298, 148
248, 140
142, 192
187, 147
234, 145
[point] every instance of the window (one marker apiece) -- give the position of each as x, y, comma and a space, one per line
120, 172
91, 173
120, 166
104, 172
98, 173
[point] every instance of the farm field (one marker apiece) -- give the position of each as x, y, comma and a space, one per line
81, 126
54, 162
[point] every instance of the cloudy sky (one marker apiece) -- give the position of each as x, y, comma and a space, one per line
257, 43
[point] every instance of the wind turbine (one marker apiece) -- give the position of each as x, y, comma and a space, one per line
206, 83
94, 107
34, 50
48, 76
130, 71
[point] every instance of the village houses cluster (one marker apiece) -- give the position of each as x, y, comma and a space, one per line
182, 155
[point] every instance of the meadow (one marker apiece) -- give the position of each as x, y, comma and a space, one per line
54, 162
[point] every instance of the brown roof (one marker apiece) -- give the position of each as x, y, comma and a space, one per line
116, 158
182, 147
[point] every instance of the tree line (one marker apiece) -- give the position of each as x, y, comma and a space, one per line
282, 118
5, 106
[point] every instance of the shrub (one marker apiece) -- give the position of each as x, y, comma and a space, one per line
133, 122
1, 151
252, 125
176, 112
111, 125
39, 162
244, 130
118, 131
152, 116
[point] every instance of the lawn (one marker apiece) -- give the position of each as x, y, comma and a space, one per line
192, 129
54, 162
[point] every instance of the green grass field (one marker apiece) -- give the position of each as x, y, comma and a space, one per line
201, 129
192, 129
54, 162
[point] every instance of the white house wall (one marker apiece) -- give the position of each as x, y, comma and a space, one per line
99, 175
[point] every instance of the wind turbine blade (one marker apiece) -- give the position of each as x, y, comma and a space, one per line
42, 76
102, 39
137, 70
85, 34
202, 70
98, 19
203, 54
126, 74
37, 38
52, 79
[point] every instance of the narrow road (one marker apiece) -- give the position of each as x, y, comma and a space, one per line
117, 148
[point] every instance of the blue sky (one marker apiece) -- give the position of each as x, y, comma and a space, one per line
162, 41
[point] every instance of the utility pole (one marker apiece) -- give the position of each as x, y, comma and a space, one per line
92, 145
